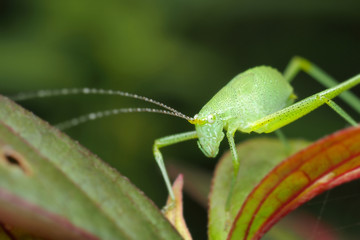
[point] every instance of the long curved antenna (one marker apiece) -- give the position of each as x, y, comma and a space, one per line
74, 91
101, 114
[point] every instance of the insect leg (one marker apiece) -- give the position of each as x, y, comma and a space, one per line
166, 141
236, 164
341, 112
289, 114
283, 139
298, 63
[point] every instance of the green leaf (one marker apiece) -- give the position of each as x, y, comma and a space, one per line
323, 165
257, 158
296, 226
52, 187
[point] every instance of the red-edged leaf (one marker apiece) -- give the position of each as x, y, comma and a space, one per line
267, 188
323, 165
197, 184
52, 187
174, 212
258, 157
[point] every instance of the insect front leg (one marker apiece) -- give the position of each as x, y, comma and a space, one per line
298, 63
166, 141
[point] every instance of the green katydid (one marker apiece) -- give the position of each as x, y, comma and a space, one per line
259, 100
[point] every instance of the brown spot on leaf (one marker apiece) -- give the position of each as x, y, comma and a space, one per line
13, 159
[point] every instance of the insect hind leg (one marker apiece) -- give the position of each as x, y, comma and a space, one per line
340, 111
289, 114
298, 63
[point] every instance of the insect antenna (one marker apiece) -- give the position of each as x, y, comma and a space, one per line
101, 114
87, 91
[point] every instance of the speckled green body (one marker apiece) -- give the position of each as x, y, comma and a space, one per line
248, 97
258, 100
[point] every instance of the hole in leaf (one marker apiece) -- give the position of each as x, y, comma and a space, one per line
11, 158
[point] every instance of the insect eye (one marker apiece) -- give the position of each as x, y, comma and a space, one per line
211, 118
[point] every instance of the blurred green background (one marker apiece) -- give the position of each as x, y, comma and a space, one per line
180, 53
